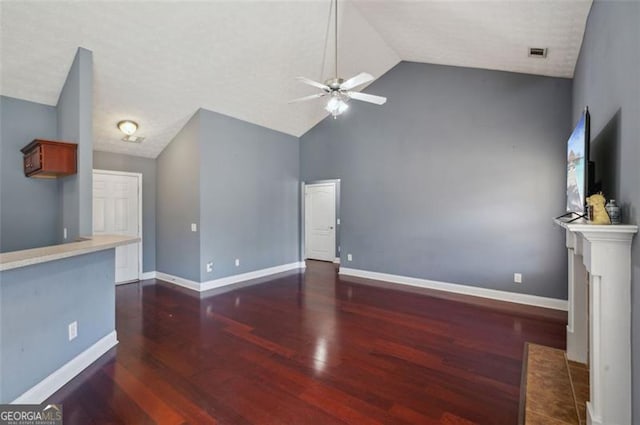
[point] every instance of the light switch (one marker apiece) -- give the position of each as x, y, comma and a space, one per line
194, 227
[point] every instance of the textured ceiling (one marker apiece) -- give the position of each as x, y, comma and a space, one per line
483, 34
158, 62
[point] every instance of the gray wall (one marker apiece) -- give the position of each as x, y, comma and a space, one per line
607, 79
456, 178
178, 204
29, 208
146, 166
37, 303
75, 124
249, 196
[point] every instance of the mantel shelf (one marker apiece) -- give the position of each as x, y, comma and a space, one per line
582, 226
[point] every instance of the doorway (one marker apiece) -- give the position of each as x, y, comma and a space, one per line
117, 210
320, 224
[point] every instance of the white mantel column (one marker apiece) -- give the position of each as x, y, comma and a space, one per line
578, 324
606, 254
607, 257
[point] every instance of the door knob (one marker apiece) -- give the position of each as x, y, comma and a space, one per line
330, 227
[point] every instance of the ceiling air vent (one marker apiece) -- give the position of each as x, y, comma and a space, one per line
537, 52
133, 139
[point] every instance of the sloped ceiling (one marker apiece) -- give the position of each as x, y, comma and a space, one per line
158, 62
483, 34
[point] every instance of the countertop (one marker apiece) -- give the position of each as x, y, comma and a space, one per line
29, 257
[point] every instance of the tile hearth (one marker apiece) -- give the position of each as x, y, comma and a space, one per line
556, 390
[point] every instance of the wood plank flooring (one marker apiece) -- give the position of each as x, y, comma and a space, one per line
309, 348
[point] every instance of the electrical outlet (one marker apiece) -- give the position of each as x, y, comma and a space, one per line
73, 330
349, 257
517, 277
210, 267
237, 262
64, 233
194, 227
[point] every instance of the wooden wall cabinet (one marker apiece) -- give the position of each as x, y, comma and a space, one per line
48, 159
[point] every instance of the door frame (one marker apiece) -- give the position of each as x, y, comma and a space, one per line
303, 233
139, 177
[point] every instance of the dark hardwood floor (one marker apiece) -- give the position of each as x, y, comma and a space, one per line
309, 348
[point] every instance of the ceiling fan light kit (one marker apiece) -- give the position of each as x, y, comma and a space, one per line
337, 104
338, 89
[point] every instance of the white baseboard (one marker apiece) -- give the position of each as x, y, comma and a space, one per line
180, 281
592, 419
52, 383
148, 275
336, 260
229, 280
493, 294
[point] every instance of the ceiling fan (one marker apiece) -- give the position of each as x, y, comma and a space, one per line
338, 89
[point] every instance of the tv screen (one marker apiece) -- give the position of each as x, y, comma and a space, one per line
577, 165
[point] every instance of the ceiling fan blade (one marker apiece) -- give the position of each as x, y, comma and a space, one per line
378, 100
356, 81
302, 99
313, 83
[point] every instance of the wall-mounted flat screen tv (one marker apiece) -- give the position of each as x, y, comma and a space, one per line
578, 165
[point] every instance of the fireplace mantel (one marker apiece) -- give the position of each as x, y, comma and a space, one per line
599, 325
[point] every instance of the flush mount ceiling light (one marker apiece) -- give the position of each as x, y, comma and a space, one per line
129, 127
338, 89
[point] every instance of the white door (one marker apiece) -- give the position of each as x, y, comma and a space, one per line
116, 211
320, 221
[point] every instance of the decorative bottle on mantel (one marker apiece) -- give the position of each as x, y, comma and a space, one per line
614, 212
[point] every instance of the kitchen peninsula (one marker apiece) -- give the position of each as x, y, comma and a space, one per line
57, 314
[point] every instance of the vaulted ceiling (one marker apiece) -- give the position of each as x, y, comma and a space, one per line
157, 62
